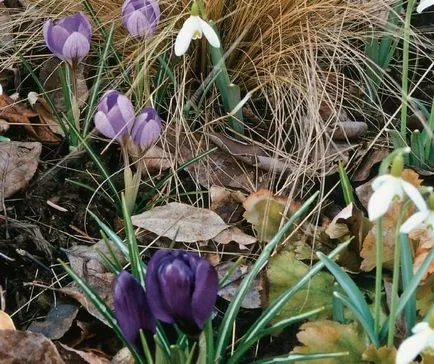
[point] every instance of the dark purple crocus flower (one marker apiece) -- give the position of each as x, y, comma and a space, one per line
182, 288
146, 129
141, 17
131, 308
115, 116
69, 37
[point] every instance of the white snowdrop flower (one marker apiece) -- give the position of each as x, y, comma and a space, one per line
424, 4
390, 187
193, 28
411, 347
424, 216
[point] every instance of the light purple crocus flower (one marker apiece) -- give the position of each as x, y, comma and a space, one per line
131, 309
69, 37
181, 288
141, 17
115, 116
115, 119
146, 129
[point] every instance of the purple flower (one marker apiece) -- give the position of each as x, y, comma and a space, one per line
182, 288
132, 309
69, 37
141, 17
115, 116
146, 129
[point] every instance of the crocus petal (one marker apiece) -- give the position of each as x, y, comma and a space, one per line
210, 34
205, 292
424, 4
104, 126
55, 37
414, 195
411, 347
131, 308
126, 108
176, 280
413, 222
76, 47
185, 35
380, 201
147, 128
156, 298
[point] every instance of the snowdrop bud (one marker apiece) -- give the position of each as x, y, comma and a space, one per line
424, 4
141, 17
69, 37
397, 166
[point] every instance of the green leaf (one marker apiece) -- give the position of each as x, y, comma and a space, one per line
284, 271
346, 185
291, 358
407, 275
331, 336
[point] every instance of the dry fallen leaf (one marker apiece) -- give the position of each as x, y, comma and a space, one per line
265, 212
18, 164
181, 222
236, 235
57, 322
382, 355
73, 356
26, 347
227, 204
6, 322
232, 284
46, 117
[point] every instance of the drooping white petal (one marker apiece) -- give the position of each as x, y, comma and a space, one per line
420, 327
429, 220
380, 201
413, 221
185, 35
210, 34
414, 195
385, 178
424, 4
412, 346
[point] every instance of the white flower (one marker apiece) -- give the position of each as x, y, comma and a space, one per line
422, 339
386, 189
193, 28
423, 216
424, 4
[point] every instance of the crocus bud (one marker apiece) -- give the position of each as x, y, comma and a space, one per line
69, 37
115, 116
141, 17
132, 309
182, 288
146, 129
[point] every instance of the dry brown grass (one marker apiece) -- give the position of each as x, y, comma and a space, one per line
290, 54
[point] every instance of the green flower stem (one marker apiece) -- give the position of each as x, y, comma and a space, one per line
395, 282
378, 273
405, 61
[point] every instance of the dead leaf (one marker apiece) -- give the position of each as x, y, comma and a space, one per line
349, 130
27, 347
383, 355
123, 357
236, 235
265, 212
350, 222
331, 337
364, 168
425, 242
230, 288
226, 203
181, 222
49, 75
45, 113
73, 356
156, 159
6, 322
58, 321
18, 164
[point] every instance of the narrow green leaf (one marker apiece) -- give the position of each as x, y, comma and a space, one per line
234, 306
347, 189
290, 358
407, 275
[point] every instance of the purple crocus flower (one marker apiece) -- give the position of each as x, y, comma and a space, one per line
115, 116
182, 288
146, 129
69, 37
131, 308
141, 17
